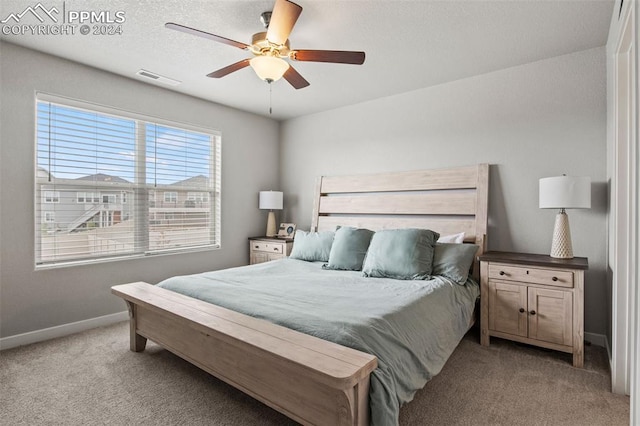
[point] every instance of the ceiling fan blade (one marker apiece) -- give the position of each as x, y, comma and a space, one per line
335, 56
295, 79
204, 34
283, 18
229, 69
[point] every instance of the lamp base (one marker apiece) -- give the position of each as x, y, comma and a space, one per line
271, 224
561, 246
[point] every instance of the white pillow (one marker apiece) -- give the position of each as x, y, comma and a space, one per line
453, 238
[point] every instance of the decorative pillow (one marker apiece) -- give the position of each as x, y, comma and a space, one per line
312, 246
453, 238
404, 254
349, 248
454, 261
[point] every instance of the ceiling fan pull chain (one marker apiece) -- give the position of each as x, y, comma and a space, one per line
269, 97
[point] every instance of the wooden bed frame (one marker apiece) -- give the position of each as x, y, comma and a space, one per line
308, 379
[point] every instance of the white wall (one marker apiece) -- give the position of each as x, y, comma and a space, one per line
33, 300
537, 120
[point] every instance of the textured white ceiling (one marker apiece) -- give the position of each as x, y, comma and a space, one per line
409, 44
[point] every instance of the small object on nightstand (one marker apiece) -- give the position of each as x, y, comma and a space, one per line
534, 299
287, 230
265, 249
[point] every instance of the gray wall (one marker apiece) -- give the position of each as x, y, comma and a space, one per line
537, 120
32, 300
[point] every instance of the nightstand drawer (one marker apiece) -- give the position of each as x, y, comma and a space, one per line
551, 277
267, 247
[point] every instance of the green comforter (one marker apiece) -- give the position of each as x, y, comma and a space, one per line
410, 326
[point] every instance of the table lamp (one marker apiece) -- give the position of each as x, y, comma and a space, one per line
271, 200
564, 192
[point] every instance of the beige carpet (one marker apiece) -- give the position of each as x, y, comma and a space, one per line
92, 378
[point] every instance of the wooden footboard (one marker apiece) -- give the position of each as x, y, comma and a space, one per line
310, 380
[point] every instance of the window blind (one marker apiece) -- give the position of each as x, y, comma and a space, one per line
115, 184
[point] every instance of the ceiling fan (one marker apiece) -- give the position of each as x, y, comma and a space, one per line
271, 48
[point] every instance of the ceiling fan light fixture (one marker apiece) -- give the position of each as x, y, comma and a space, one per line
269, 68
271, 48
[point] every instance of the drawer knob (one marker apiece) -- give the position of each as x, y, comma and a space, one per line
501, 272
276, 249
256, 246
521, 310
532, 312
554, 279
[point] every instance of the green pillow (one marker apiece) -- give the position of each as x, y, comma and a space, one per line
454, 261
312, 246
404, 254
349, 248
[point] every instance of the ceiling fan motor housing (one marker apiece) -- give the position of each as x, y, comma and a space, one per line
260, 46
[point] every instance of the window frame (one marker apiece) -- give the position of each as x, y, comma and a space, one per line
54, 198
170, 196
145, 189
198, 196
48, 217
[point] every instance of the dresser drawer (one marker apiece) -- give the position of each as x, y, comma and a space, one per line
266, 247
551, 277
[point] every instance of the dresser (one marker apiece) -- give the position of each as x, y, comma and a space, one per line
264, 249
533, 299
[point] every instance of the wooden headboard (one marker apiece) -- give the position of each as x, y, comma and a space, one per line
447, 201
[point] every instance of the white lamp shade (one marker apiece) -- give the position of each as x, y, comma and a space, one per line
269, 68
565, 192
270, 200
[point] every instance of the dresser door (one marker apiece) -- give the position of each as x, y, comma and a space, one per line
508, 308
551, 316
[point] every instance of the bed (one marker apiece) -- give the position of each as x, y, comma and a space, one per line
325, 359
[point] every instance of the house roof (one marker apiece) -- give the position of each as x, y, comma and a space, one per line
199, 180
101, 177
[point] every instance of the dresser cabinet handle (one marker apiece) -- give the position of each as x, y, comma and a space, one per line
532, 312
501, 272
275, 249
554, 279
521, 310
256, 246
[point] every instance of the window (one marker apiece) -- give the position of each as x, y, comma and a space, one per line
101, 168
170, 197
198, 196
87, 197
109, 198
49, 217
51, 196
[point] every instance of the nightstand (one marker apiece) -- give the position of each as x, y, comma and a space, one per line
533, 299
264, 249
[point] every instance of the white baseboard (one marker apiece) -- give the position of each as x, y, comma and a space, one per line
61, 330
598, 340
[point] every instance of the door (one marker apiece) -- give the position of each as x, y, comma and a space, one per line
508, 308
551, 315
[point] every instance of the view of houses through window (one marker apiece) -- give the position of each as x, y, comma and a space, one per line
112, 185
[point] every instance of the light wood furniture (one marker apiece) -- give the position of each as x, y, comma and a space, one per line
447, 201
311, 380
264, 249
534, 299
304, 377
